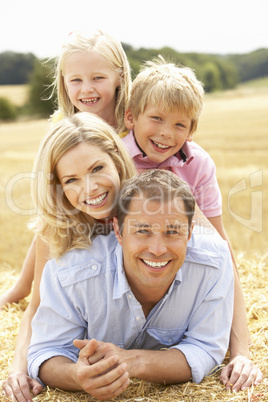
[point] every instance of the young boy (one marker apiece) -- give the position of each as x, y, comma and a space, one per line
162, 115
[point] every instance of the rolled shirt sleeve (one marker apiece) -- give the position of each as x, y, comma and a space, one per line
206, 339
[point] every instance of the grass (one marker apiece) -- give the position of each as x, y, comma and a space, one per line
233, 129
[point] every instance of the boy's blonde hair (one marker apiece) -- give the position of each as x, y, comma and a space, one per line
112, 50
64, 226
167, 86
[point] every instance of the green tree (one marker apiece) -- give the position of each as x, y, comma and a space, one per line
7, 110
41, 102
211, 77
15, 68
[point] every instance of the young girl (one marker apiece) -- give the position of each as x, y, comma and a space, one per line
92, 75
78, 172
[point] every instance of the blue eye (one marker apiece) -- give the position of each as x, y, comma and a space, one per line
143, 231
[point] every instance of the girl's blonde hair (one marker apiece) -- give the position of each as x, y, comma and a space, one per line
168, 86
112, 50
58, 221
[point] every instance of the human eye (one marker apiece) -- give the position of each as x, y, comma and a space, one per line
156, 118
97, 168
69, 181
180, 125
143, 231
172, 232
98, 77
76, 80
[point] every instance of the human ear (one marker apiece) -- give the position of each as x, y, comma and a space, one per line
191, 230
129, 119
117, 231
189, 137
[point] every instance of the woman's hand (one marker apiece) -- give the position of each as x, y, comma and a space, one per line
18, 387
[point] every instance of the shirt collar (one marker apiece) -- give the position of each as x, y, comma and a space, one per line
172, 161
121, 284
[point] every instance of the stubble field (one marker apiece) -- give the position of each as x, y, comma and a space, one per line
234, 130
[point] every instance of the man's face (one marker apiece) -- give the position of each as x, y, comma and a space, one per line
154, 242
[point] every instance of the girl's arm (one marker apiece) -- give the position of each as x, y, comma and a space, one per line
22, 287
18, 384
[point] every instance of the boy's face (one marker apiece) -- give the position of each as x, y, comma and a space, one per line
160, 134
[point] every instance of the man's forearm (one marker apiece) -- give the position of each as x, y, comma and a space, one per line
59, 372
164, 367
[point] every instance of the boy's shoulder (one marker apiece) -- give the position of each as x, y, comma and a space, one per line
194, 149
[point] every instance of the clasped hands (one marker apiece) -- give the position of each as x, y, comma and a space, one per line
101, 369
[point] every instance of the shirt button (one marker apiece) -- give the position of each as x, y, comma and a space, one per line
138, 318
130, 296
94, 267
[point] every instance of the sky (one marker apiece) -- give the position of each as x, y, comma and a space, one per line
202, 26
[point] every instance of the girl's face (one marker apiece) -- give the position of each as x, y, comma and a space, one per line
89, 180
91, 84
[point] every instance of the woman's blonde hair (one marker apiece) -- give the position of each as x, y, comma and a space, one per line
64, 226
168, 86
112, 50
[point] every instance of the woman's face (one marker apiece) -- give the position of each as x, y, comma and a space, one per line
90, 180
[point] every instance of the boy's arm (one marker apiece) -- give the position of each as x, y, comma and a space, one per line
216, 221
240, 372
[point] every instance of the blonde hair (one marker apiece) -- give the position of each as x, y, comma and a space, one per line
58, 221
169, 86
112, 50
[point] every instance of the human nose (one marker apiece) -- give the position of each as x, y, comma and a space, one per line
166, 131
157, 245
87, 86
90, 185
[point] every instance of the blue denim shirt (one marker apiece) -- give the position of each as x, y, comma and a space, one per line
85, 294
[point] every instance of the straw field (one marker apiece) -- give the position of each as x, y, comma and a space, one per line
234, 130
17, 94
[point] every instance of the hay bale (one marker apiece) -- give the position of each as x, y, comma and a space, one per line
253, 274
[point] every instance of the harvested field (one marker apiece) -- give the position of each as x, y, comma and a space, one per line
234, 130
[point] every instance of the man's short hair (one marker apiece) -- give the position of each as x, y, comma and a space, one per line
155, 185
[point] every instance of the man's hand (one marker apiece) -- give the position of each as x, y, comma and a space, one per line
240, 373
100, 374
18, 387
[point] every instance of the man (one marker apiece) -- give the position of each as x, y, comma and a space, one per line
153, 300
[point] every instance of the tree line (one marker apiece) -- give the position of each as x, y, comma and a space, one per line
217, 72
